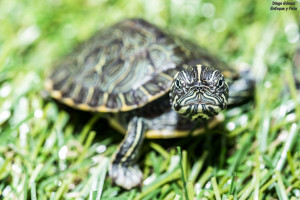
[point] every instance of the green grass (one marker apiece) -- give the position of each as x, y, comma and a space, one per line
48, 151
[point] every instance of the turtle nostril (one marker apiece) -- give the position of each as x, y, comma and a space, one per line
199, 88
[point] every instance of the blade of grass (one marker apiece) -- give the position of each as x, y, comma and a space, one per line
33, 191
160, 150
86, 146
197, 167
55, 177
25, 189
287, 146
100, 178
62, 188
241, 154
182, 173
86, 129
215, 188
291, 163
190, 188
280, 187
246, 191
205, 176
231, 190
165, 178
257, 176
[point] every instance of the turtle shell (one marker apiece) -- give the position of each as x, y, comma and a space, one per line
124, 67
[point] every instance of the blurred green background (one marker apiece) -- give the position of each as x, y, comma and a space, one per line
46, 154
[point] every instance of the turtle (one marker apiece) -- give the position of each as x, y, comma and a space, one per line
148, 83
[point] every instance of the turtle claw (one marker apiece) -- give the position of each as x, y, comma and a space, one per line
126, 177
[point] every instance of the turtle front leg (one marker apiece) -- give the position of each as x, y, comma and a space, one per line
123, 168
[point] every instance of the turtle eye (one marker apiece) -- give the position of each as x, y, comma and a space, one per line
220, 83
178, 84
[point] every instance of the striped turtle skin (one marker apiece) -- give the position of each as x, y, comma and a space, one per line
150, 84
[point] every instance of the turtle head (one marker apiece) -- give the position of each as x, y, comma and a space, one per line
199, 92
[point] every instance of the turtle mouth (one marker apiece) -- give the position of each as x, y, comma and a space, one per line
202, 102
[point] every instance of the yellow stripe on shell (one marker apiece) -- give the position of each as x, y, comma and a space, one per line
89, 94
153, 97
168, 77
59, 77
76, 90
105, 97
83, 106
123, 102
100, 64
122, 76
58, 95
143, 90
68, 101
